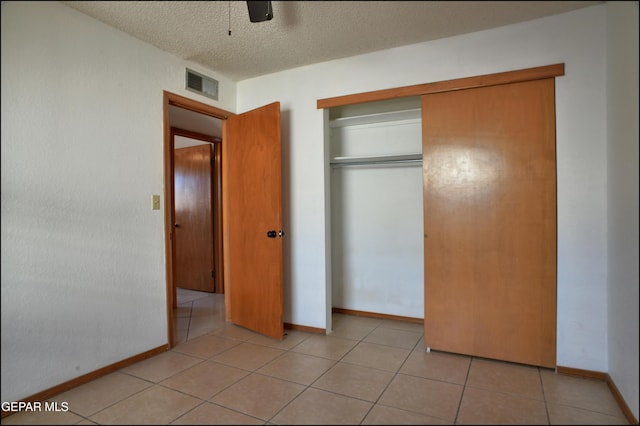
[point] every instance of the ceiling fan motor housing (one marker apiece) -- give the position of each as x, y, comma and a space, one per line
260, 11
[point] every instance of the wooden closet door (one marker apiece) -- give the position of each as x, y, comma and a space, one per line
489, 170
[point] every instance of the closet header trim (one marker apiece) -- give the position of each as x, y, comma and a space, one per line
529, 74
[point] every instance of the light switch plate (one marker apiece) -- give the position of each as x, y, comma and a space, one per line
155, 202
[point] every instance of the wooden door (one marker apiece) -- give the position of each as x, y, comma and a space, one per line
489, 198
194, 253
253, 211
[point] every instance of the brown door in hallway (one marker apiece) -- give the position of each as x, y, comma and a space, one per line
194, 245
253, 212
489, 171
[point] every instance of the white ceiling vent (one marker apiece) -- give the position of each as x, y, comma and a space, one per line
202, 84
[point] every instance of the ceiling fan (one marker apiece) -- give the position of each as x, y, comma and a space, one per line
260, 11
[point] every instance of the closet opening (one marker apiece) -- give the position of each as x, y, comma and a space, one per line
375, 161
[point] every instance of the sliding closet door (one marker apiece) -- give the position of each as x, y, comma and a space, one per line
489, 182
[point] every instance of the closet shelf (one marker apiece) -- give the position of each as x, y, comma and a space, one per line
380, 159
408, 115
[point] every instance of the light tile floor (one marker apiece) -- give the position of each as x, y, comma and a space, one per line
367, 371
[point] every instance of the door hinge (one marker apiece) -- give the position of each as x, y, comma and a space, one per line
213, 274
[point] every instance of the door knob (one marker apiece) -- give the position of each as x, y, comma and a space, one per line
271, 234
176, 225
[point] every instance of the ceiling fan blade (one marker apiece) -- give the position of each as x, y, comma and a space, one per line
260, 11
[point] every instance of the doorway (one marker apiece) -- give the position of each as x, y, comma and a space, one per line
189, 123
251, 185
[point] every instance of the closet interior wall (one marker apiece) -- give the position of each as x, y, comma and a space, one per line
376, 208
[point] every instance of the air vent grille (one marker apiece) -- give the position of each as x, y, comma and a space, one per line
198, 83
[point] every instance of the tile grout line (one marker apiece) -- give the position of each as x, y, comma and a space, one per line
186, 338
544, 397
464, 389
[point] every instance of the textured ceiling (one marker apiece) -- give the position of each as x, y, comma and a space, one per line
303, 32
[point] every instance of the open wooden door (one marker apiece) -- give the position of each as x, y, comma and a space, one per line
193, 234
489, 170
253, 216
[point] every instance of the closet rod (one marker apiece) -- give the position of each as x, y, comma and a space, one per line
385, 159
381, 163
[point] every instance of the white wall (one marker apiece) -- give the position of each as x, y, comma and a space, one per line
622, 191
83, 269
377, 240
576, 39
